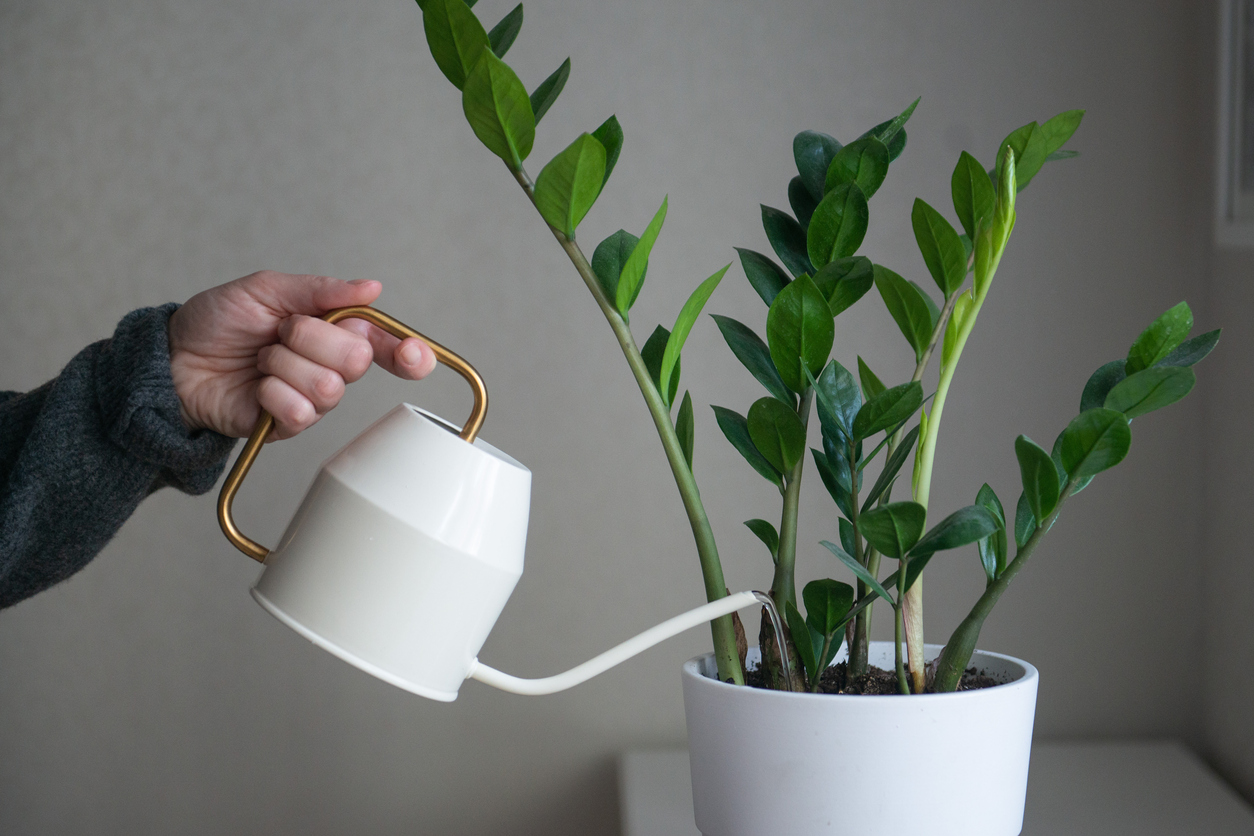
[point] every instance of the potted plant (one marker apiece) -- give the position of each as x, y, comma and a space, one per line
802, 753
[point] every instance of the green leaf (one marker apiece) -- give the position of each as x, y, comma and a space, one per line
548, 91
683, 323
736, 428
909, 307
788, 240
892, 132
888, 409
838, 225
756, 357
893, 528
1055, 133
871, 385
846, 535
652, 353
767, 534
839, 397
502, 36
827, 603
1029, 147
1025, 521
767, 277
777, 432
864, 162
455, 36
837, 483
1192, 351
943, 252
993, 547
1062, 155
1160, 338
987, 497
799, 332
858, 569
801, 640
961, 528
973, 193
569, 185
1150, 389
608, 260
1100, 384
801, 201
1056, 455
844, 281
609, 134
496, 106
899, 457
963, 306
813, 153
684, 428
1095, 440
632, 277
1040, 478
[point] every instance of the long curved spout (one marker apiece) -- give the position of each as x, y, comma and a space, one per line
631, 647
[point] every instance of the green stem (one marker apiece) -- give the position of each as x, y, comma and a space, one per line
725, 652
956, 656
903, 684
783, 586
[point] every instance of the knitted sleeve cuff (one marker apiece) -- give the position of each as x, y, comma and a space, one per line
140, 408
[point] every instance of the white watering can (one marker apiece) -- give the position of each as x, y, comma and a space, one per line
408, 544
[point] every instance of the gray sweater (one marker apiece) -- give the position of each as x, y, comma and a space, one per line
78, 454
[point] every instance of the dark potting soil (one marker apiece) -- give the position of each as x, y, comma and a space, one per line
875, 682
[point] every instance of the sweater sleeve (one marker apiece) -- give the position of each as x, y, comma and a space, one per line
78, 454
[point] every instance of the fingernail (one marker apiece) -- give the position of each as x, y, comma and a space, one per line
361, 281
410, 355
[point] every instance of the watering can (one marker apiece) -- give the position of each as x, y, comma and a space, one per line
408, 544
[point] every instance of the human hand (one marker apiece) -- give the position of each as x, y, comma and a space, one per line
257, 343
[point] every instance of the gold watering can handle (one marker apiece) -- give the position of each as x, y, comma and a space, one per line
265, 423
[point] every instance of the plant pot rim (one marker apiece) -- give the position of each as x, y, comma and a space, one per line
692, 669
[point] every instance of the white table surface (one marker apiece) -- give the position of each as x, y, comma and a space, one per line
1151, 788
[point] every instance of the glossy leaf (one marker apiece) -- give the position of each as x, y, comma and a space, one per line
610, 135
1039, 476
871, 385
502, 36
987, 498
837, 484
1161, 338
801, 639
497, 108
455, 36
813, 153
568, 186
864, 162
683, 323
1095, 440
548, 91
767, 277
893, 528
963, 306
858, 569
846, 535
767, 534
972, 191
652, 352
777, 432
827, 602
632, 277
801, 201
1193, 350
684, 428
1150, 389
888, 409
838, 225
788, 240
608, 260
756, 357
901, 454
1056, 455
736, 429
993, 547
839, 396
942, 249
1025, 521
1100, 384
799, 331
961, 528
909, 307
892, 132
844, 281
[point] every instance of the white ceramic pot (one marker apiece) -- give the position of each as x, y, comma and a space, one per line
767, 762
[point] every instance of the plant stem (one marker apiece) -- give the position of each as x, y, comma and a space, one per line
783, 586
903, 684
956, 656
725, 652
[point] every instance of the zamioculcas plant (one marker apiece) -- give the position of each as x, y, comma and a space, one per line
824, 277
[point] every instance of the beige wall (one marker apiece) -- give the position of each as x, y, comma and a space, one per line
149, 149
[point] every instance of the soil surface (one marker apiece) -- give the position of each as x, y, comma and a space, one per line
875, 682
